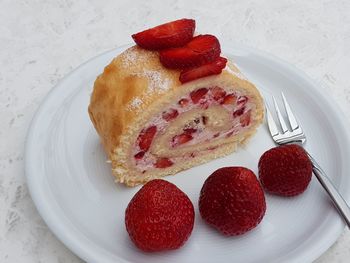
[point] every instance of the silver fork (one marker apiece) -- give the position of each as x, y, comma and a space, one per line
297, 136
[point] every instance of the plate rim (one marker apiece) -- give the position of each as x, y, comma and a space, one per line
72, 242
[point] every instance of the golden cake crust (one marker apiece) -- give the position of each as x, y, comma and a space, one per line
127, 86
134, 87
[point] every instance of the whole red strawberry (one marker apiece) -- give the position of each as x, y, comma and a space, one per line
232, 200
159, 217
285, 170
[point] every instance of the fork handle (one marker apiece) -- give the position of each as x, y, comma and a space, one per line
333, 193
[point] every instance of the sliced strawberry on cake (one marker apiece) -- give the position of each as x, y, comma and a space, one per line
172, 34
200, 50
211, 68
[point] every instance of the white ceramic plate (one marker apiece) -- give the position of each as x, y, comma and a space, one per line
72, 187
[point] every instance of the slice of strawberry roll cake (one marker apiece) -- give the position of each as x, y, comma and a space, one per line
157, 118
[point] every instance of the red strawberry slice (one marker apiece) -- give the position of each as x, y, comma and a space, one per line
218, 93
159, 217
200, 50
181, 139
163, 163
229, 134
190, 130
183, 102
242, 100
139, 155
232, 200
170, 114
229, 99
238, 112
172, 34
146, 137
244, 120
198, 94
213, 68
285, 170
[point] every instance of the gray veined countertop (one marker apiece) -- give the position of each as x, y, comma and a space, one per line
41, 41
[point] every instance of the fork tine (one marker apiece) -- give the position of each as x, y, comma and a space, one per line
270, 122
279, 116
291, 118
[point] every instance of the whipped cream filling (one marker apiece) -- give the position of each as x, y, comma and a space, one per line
208, 125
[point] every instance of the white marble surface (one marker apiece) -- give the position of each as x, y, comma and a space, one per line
43, 40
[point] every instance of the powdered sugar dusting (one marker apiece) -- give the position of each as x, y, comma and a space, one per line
155, 83
129, 57
136, 56
137, 63
135, 103
155, 80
